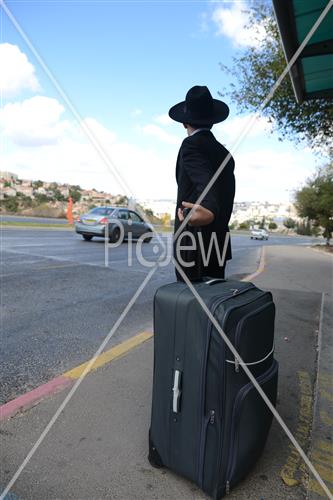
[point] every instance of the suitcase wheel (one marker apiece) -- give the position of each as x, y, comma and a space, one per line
153, 456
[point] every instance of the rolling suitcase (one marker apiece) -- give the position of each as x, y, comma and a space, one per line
208, 422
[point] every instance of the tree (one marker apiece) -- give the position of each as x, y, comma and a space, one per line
37, 184
289, 223
272, 225
315, 200
25, 201
304, 228
41, 198
75, 193
11, 204
244, 225
262, 223
57, 194
122, 200
256, 69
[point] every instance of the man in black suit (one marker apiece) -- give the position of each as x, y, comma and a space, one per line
199, 157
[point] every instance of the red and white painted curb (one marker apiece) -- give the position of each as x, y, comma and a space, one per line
30, 398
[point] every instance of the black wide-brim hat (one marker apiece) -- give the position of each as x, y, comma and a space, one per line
199, 108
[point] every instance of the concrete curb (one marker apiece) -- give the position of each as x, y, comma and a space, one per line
31, 398
321, 452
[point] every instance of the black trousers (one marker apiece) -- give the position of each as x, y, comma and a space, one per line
197, 270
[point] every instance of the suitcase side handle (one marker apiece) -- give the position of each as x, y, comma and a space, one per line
176, 390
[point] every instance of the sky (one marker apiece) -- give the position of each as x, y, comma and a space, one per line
86, 87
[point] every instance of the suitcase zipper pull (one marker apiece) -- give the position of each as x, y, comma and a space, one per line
227, 488
236, 365
212, 417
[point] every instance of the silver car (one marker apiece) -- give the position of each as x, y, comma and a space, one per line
95, 223
259, 234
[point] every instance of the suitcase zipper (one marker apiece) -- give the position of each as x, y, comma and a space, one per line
212, 309
240, 324
250, 287
239, 398
227, 488
209, 420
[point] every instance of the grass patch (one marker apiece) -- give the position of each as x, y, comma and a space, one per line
36, 225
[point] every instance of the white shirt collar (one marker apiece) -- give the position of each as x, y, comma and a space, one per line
198, 130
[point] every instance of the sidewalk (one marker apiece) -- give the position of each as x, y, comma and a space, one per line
98, 447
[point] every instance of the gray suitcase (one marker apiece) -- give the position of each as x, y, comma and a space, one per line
208, 423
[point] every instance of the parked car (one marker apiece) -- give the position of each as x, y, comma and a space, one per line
259, 234
94, 223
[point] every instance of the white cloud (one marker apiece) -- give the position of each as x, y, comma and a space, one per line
267, 174
17, 73
231, 23
233, 127
64, 153
159, 133
163, 119
103, 135
33, 122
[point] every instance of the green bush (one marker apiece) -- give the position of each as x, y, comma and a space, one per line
11, 204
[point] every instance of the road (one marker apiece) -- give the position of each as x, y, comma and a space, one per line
59, 300
98, 446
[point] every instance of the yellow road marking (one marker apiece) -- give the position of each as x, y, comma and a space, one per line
261, 266
316, 488
325, 380
322, 456
326, 418
291, 472
326, 395
322, 453
326, 473
60, 266
113, 353
325, 446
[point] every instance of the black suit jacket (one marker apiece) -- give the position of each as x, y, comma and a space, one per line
199, 157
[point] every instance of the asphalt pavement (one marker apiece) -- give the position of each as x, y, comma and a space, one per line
59, 299
98, 447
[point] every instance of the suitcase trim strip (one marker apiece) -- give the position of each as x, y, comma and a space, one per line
239, 363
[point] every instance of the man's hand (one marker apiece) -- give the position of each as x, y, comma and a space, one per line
200, 215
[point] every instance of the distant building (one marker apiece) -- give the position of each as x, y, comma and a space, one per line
40, 190
8, 176
6, 192
160, 207
64, 191
255, 210
26, 190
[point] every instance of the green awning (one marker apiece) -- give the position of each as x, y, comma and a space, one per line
312, 74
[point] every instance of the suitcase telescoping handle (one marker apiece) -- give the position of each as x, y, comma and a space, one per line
176, 391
